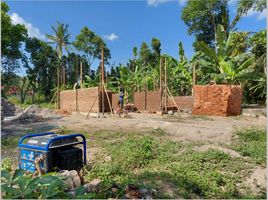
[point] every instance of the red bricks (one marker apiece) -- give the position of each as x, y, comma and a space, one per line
151, 101
220, 100
83, 99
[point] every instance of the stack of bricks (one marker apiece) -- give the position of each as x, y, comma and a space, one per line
219, 100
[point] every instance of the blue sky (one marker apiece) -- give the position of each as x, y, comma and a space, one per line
123, 24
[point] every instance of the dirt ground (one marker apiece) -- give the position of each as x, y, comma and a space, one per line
205, 131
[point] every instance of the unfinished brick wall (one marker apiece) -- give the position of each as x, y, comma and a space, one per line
183, 102
139, 100
115, 99
82, 100
219, 100
151, 101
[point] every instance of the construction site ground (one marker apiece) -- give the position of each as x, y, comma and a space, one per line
202, 132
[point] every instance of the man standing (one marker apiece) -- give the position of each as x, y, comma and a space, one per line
121, 98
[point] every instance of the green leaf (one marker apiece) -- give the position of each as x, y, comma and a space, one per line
6, 175
208, 51
17, 174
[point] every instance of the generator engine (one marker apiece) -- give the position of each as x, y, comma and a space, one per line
58, 152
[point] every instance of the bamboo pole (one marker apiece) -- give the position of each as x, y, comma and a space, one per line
58, 88
193, 80
76, 70
165, 84
102, 80
81, 74
160, 84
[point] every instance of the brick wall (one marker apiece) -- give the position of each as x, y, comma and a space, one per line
83, 99
220, 100
183, 102
152, 101
139, 100
115, 101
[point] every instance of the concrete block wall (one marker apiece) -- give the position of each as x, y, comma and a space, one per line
219, 100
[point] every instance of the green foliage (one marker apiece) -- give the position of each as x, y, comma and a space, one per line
61, 38
252, 142
18, 185
152, 162
202, 18
6, 164
231, 69
12, 37
91, 44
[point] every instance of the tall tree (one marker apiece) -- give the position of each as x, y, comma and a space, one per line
61, 38
145, 54
12, 36
91, 44
202, 18
181, 52
44, 60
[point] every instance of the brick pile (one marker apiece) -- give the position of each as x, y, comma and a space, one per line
219, 100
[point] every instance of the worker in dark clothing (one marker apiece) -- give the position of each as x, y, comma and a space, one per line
121, 98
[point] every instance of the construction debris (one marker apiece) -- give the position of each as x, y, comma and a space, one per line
12, 113
9, 109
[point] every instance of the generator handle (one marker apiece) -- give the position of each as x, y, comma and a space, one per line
34, 135
71, 136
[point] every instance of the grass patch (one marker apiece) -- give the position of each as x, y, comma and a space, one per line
150, 162
251, 142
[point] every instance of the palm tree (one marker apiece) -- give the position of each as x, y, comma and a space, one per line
61, 39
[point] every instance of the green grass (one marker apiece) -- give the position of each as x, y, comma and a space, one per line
150, 161
252, 143
26, 104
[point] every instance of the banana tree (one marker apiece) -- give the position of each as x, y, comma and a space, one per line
229, 70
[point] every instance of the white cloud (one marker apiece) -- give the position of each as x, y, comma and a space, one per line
155, 3
111, 37
259, 15
32, 31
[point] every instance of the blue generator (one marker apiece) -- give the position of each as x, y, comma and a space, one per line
58, 152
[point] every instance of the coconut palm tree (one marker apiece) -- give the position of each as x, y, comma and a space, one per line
61, 39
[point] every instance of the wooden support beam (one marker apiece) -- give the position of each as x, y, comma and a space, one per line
165, 84
81, 74
193, 80
102, 80
160, 83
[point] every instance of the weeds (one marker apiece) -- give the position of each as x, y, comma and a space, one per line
252, 143
153, 163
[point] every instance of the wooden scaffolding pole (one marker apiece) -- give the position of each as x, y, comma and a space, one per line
81, 74
58, 88
102, 80
165, 84
160, 84
193, 79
